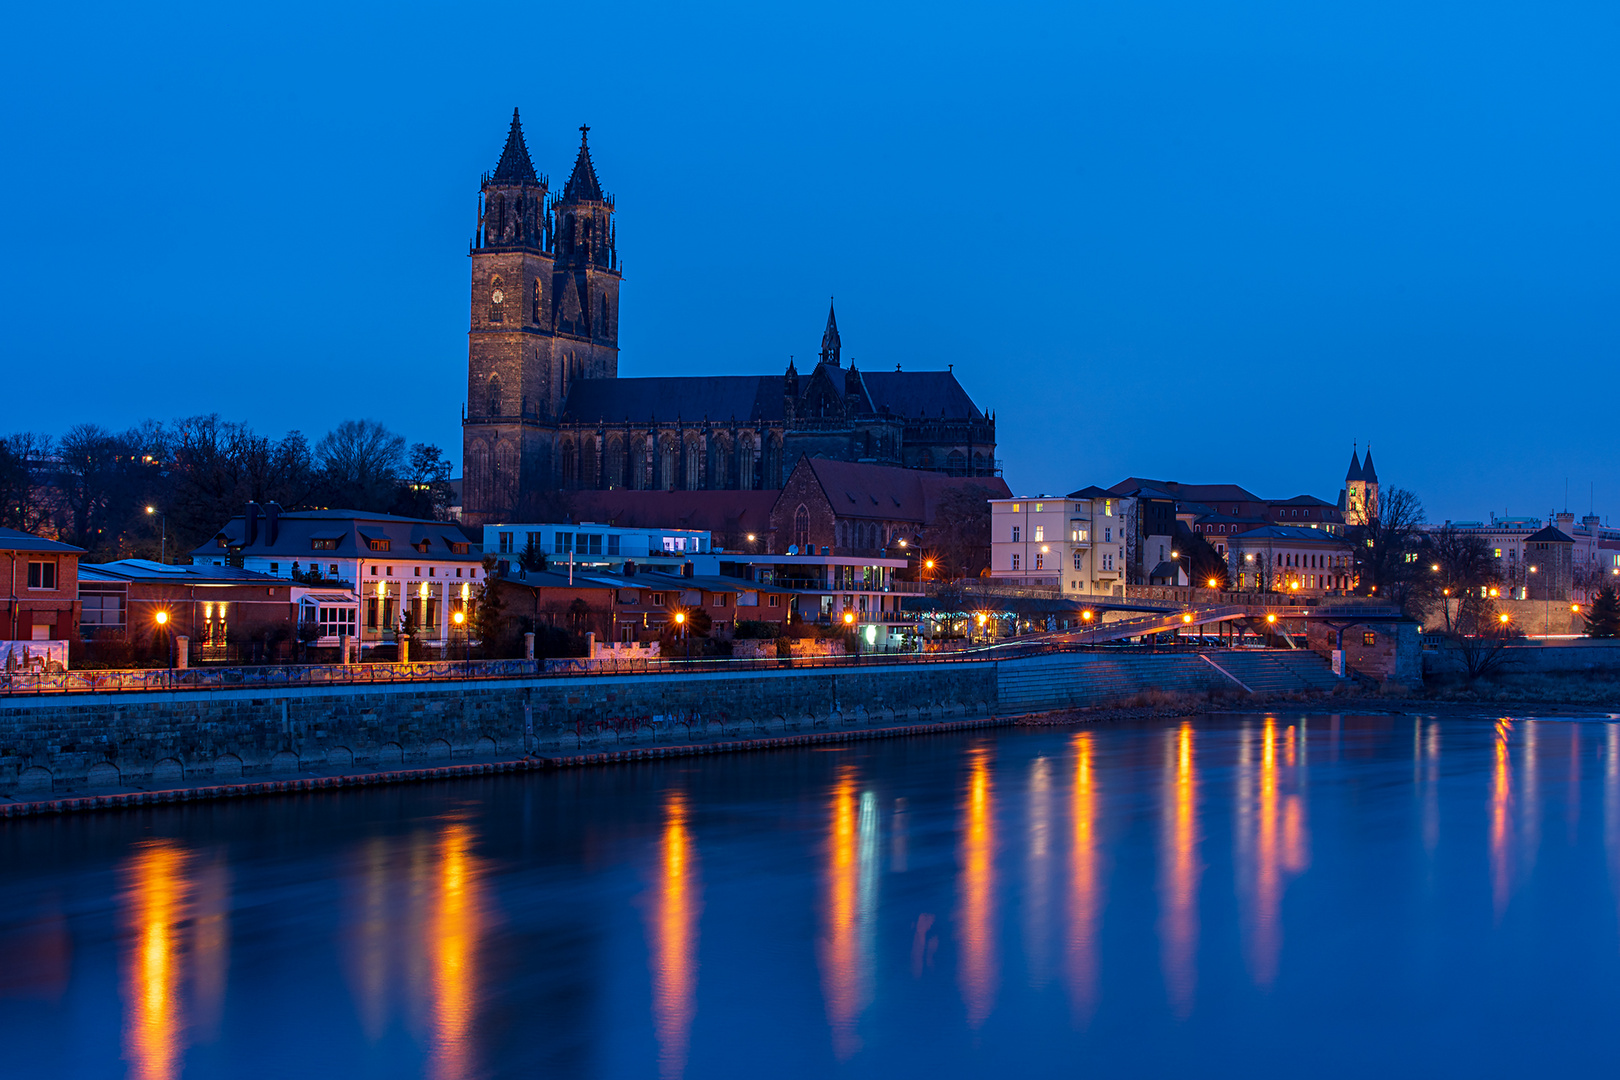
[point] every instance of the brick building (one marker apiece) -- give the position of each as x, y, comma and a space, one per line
851, 508
42, 587
546, 407
217, 609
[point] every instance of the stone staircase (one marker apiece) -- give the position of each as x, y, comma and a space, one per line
1075, 679
1267, 671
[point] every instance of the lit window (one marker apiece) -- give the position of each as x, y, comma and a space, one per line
1039, 507
1040, 531
1040, 562
1015, 562
1017, 507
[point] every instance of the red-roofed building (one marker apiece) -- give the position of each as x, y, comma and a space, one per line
855, 509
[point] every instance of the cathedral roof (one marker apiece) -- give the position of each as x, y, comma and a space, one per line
515, 166
912, 394
670, 397
582, 184
1368, 473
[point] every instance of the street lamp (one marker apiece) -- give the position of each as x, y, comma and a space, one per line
460, 619
680, 621
162, 618
163, 523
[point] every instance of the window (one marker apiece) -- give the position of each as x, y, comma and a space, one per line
505, 543
657, 599
1108, 508
1015, 562
379, 545
1040, 562
801, 527
418, 572
613, 544
433, 571
1038, 507
1108, 536
323, 544
1079, 558
776, 601
1369, 638
390, 570
332, 568
42, 575
588, 543
275, 568
1040, 530
458, 571
1015, 534
562, 543
1018, 508
373, 571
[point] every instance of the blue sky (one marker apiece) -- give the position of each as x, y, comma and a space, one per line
1198, 241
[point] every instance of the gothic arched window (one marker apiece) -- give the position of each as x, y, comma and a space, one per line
568, 465
801, 527
494, 398
539, 300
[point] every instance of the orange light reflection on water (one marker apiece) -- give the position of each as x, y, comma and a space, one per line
455, 933
849, 910
1501, 827
1180, 870
154, 1016
1272, 843
979, 973
1085, 899
677, 906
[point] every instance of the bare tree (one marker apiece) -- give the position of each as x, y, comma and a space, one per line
360, 462
1388, 546
1454, 566
960, 531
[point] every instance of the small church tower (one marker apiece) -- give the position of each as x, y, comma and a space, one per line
1360, 496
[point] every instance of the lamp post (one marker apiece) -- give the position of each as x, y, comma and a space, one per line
460, 619
680, 621
163, 525
162, 618
1085, 617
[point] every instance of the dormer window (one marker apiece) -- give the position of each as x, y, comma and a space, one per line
222, 540
459, 549
379, 545
323, 545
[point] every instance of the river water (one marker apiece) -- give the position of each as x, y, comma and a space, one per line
1230, 895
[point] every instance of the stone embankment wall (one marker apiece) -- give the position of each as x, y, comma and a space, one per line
139, 736
1586, 656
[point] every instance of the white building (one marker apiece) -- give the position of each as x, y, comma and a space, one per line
588, 544
1075, 543
392, 565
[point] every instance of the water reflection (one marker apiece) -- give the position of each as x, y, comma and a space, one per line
1038, 873
676, 908
174, 916
453, 937
1611, 803
849, 910
1271, 838
1431, 788
1179, 871
419, 917
1501, 818
1085, 889
979, 974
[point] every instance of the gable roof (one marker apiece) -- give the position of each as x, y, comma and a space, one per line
1301, 500
1092, 492
1198, 493
15, 540
145, 570
885, 493
920, 393
1291, 533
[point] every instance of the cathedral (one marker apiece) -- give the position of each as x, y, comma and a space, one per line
546, 409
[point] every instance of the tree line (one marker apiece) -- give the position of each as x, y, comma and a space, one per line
92, 487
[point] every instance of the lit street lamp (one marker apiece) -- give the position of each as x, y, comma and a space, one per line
162, 618
460, 619
163, 524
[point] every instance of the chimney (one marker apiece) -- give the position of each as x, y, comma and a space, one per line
687, 568
272, 519
629, 568
251, 534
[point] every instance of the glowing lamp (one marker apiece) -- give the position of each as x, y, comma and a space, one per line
849, 617
1271, 618
459, 617
1575, 607
1213, 582
162, 618
1086, 615
1186, 618
680, 617
1502, 617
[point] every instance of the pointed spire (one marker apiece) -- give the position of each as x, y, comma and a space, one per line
582, 184
515, 166
830, 342
1368, 473
1354, 472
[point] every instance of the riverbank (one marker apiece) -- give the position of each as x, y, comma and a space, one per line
134, 797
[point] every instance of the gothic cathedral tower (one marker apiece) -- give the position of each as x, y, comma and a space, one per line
545, 293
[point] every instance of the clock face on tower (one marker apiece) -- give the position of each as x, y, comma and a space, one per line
498, 296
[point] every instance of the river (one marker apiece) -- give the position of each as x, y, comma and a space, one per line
1222, 896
